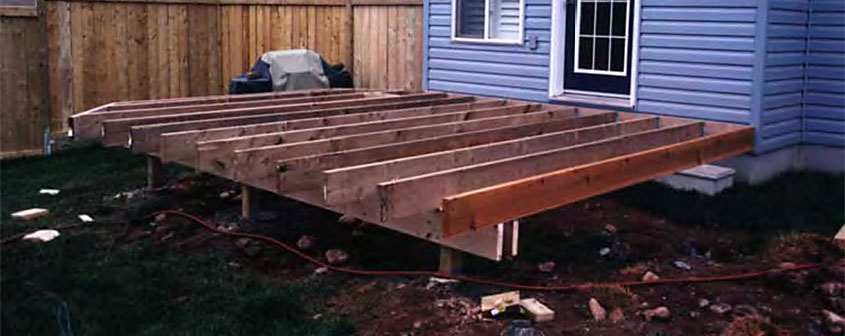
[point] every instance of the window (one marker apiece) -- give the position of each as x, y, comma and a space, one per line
487, 20
601, 45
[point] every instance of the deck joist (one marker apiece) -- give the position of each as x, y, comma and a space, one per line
443, 167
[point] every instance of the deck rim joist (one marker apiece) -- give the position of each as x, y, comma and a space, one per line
444, 167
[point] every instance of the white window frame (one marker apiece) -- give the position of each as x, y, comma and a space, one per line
486, 39
558, 53
577, 36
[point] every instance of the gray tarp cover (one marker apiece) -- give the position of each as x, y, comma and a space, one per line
296, 69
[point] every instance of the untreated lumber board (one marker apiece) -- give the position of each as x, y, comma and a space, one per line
220, 151
85, 131
358, 183
181, 146
155, 103
116, 131
480, 208
145, 138
260, 163
306, 172
87, 126
424, 193
486, 242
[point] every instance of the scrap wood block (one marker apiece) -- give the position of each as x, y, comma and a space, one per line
839, 239
30, 214
536, 311
501, 300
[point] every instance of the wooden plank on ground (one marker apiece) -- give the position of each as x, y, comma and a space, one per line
116, 131
145, 138
484, 207
424, 193
306, 172
357, 183
260, 163
181, 146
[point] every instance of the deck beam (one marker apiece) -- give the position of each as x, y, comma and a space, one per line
486, 206
424, 193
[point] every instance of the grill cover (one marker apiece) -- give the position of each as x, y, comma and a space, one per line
296, 69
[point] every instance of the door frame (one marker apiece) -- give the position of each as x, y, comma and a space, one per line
558, 43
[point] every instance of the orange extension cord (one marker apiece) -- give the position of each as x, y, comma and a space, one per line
740, 276
353, 271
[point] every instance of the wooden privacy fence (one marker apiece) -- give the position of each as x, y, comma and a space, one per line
99, 51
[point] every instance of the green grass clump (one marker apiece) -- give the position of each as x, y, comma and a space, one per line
88, 282
792, 202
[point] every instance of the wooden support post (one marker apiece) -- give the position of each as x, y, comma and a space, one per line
155, 173
246, 201
450, 260
510, 238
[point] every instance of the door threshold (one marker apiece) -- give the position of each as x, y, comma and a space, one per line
593, 99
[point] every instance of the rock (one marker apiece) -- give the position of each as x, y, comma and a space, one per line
417, 324
659, 313
336, 257
521, 328
617, 315
609, 228
604, 251
720, 308
599, 313
546, 267
346, 219
682, 265
786, 265
703, 303
650, 276
321, 270
434, 282
832, 288
160, 218
252, 250
634, 269
305, 242
242, 242
835, 323
41, 236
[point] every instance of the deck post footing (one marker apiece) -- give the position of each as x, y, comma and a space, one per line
450, 260
155, 172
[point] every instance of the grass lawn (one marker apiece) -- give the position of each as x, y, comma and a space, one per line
86, 282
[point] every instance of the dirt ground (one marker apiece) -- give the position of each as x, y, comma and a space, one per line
637, 240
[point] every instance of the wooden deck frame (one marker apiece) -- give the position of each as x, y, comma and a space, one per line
452, 169
146, 138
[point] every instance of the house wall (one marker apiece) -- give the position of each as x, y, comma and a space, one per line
696, 58
777, 65
489, 69
783, 85
824, 99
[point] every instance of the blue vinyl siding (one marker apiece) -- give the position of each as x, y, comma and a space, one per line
824, 99
696, 58
804, 89
783, 85
776, 64
512, 71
